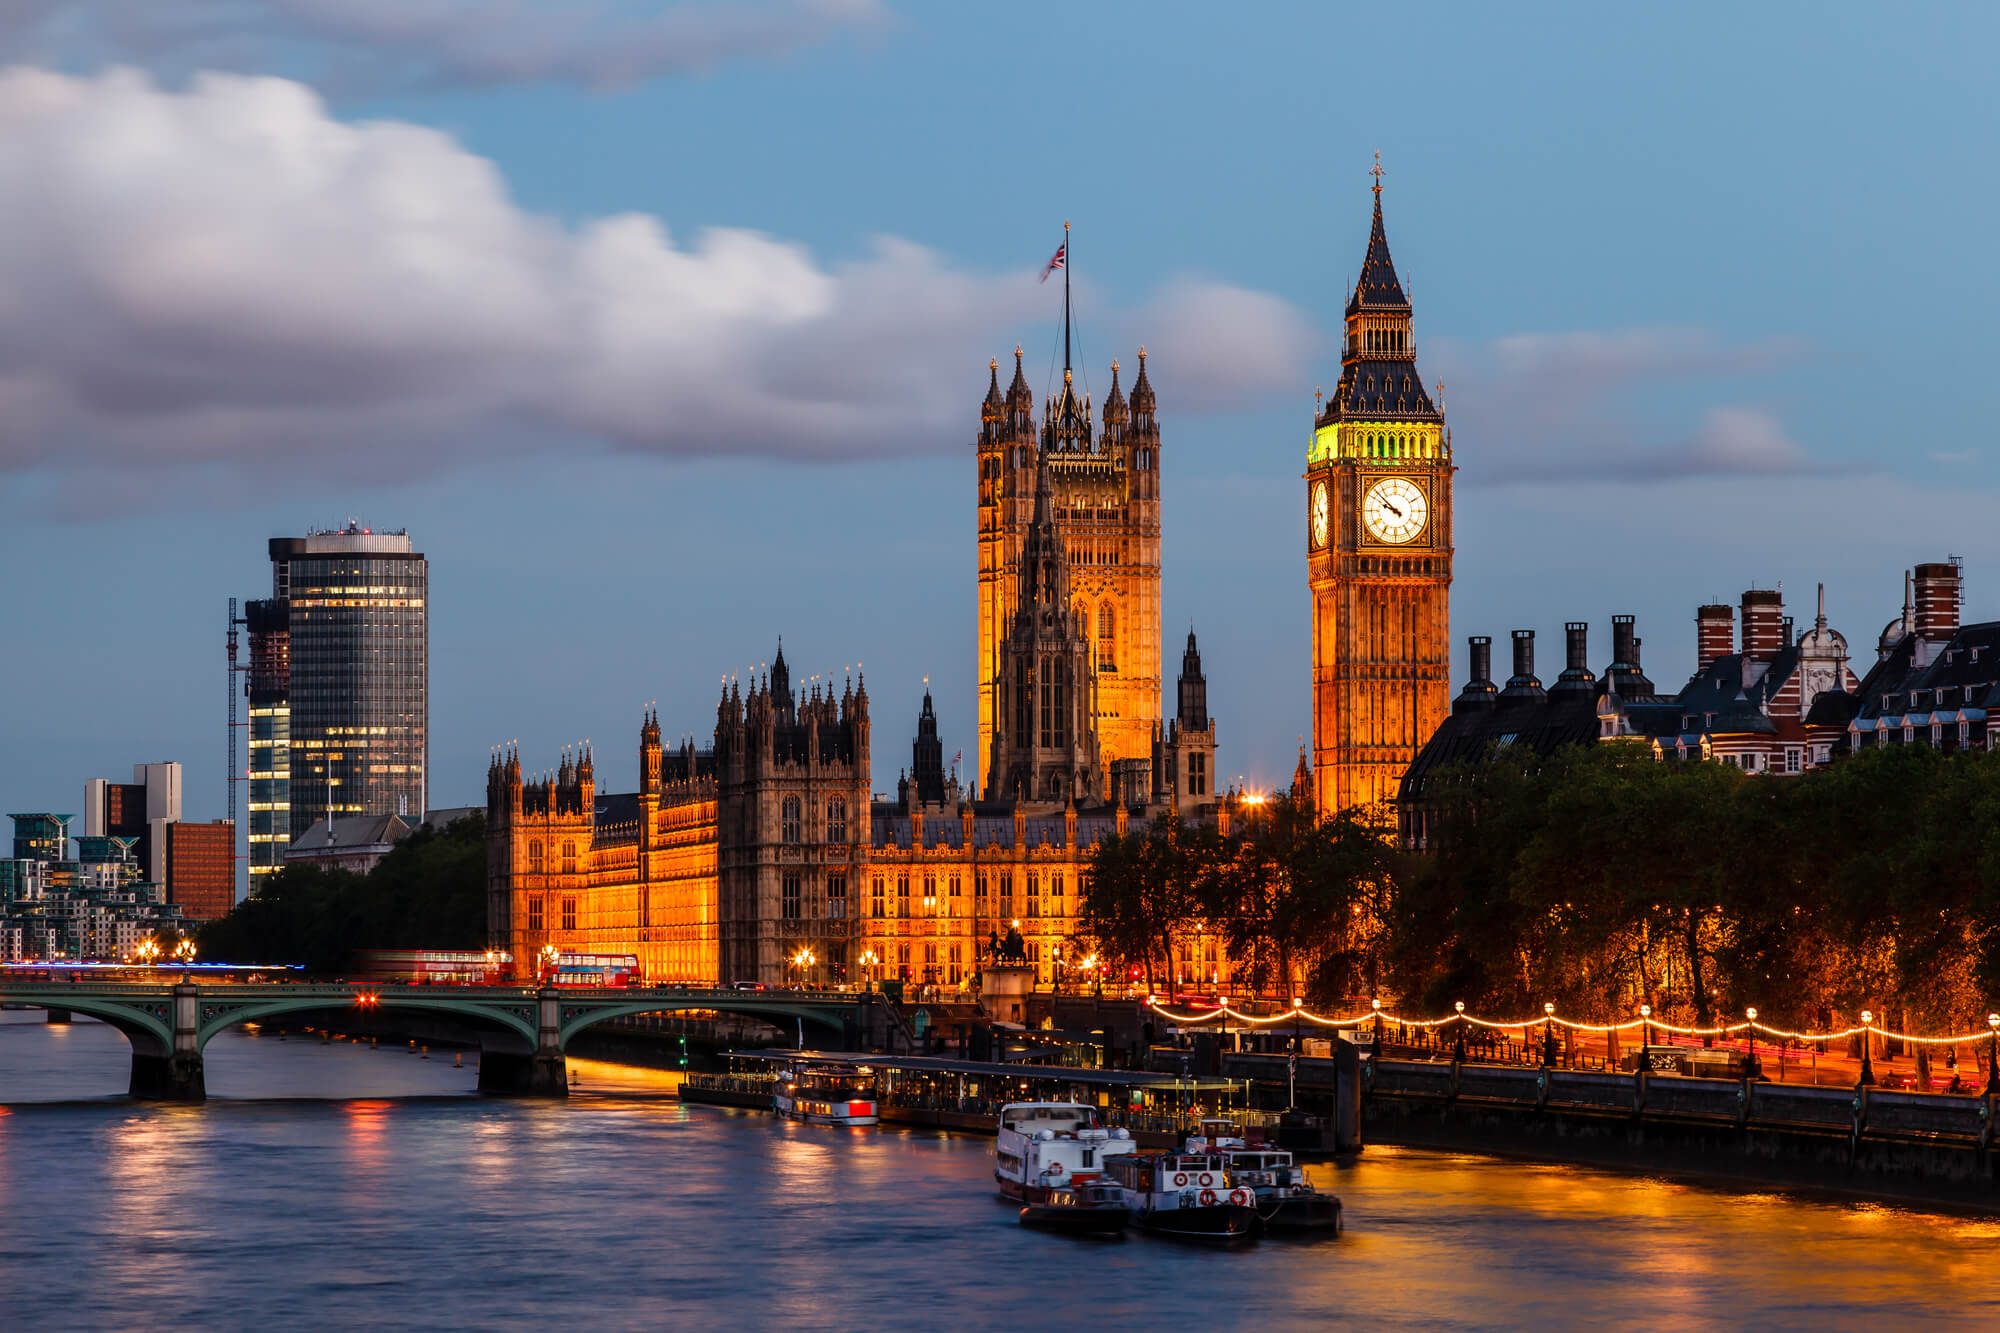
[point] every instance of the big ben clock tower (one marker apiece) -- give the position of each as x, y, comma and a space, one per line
1378, 550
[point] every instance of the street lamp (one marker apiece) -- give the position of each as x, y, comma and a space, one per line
803, 960
550, 956
1750, 1064
1458, 1042
869, 959
1549, 1034
1867, 1062
1645, 1036
1376, 1005
1992, 1049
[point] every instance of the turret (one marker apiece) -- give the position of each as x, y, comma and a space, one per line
1193, 689
649, 755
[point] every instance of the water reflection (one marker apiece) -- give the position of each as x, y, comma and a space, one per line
409, 1203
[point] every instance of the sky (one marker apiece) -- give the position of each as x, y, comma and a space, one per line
663, 328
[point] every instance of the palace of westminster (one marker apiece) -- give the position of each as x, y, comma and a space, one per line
764, 857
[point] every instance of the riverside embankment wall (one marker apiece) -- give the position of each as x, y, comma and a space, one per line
1932, 1146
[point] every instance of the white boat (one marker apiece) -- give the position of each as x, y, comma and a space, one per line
1285, 1200
1047, 1146
824, 1093
1187, 1196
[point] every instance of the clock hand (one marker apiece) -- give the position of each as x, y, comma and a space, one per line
1392, 509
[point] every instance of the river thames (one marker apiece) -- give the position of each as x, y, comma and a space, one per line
348, 1187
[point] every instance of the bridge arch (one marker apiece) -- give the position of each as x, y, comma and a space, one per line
510, 1017
148, 1025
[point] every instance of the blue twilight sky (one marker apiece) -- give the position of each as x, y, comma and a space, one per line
663, 328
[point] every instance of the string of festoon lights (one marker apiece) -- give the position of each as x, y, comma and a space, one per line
1549, 1016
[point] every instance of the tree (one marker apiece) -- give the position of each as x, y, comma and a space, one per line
429, 892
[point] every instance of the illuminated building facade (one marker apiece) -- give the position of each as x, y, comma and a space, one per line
348, 684
1103, 480
1378, 550
267, 690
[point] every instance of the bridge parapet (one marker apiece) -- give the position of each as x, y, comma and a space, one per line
521, 1032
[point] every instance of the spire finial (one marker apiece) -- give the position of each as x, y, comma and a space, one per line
1377, 172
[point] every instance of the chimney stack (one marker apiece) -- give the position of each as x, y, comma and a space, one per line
1479, 691
1624, 642
1576, 669
1714, 634
1937, 602
1522, 684
1763, 612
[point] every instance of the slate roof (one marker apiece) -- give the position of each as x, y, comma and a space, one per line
1964, 673
349, 834
1378, 288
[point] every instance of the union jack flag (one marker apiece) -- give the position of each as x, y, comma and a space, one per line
1062, 253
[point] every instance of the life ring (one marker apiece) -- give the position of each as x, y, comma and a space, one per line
1180, 1177
1240, 1197
1207, 1178
1208, 1198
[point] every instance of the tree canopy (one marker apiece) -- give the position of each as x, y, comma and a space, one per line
429, 892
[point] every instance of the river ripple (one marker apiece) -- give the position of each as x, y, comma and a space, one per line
344, 1186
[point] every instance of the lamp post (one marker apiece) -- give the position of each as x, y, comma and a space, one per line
1549, 1034
803, 961
868, 962
550, 957
1992, 1050
1458, 1040
1750, 1061
1376, 1005
1867, 1079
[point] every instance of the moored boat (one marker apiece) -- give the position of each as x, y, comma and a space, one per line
1095, 1209
1285, 1200
1046, 1146
1186, 1196
825, 1093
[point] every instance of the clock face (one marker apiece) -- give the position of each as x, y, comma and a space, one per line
1319, 516
1394, 511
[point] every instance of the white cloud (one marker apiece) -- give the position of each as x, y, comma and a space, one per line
372, 45
1548, 406
228, 274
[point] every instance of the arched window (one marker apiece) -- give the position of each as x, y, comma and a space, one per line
535, 856
1107, 637
836, 820
569, 858
788, 824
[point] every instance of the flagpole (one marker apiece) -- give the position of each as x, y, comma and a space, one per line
1065, 293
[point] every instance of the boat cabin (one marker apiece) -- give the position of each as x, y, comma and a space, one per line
1061, 1117
1170, 1172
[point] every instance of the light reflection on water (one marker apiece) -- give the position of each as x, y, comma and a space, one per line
380, 1193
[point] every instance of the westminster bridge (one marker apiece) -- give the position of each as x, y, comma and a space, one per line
521, 1033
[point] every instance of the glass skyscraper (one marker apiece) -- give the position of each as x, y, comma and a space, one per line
338, 685
268, 691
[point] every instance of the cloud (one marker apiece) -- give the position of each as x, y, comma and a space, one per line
361, 46
226, 275
1226, 344
1552, 406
